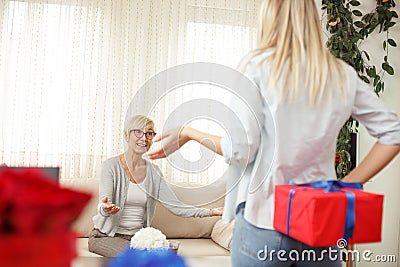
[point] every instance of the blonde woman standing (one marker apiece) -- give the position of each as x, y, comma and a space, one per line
311, 94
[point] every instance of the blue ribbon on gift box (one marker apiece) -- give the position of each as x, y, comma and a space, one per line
330, 186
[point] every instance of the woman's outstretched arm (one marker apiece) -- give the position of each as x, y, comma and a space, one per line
174, 139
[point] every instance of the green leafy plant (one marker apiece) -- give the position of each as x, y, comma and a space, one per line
348, 27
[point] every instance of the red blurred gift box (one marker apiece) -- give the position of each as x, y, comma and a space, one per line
36, 215
325, 216
44, 250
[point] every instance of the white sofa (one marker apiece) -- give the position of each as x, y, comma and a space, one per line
202, 240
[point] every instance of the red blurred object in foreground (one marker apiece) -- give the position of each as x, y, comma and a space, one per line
35, 219
40, 250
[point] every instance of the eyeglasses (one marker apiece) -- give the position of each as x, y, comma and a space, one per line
139, 133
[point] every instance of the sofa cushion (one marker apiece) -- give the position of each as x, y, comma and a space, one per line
84, 224
222, 234
200, 247
209, 196
177, 227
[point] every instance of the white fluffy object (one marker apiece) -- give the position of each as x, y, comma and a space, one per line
149, 238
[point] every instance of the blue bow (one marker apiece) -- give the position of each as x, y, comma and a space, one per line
331, 186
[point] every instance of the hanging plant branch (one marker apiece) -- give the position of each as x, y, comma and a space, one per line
348, 27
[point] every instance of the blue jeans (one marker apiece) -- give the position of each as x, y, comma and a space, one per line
253, 246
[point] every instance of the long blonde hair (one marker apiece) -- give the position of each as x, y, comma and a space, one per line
292, 30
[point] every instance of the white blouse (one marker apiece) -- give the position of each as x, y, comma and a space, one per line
132, 215
280, 142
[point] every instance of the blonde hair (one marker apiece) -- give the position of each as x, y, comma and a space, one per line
291, 28
138, 122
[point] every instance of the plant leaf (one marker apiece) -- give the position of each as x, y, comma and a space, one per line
392, 42
366, 55
365, 79
354, 3
378, 88
359, 24
389, 69
357, 13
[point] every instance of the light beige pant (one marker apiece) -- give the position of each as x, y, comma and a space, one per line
108, 246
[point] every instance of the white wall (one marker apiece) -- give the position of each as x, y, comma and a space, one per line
388, 181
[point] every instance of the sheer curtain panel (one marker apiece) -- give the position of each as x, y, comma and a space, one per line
69, 69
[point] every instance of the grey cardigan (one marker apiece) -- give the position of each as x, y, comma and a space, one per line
114, 184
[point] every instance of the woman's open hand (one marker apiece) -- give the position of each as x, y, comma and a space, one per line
217, 211
167, 143
109, 207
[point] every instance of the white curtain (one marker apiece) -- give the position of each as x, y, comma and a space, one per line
69, 70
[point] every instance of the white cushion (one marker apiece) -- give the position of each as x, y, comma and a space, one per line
222, 234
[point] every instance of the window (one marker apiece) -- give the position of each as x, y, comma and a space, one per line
68, 71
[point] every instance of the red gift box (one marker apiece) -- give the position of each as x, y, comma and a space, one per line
51, 250
318, 218
35, 220
30, 203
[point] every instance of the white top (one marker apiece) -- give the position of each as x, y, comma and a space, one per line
132, 215
293, 141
